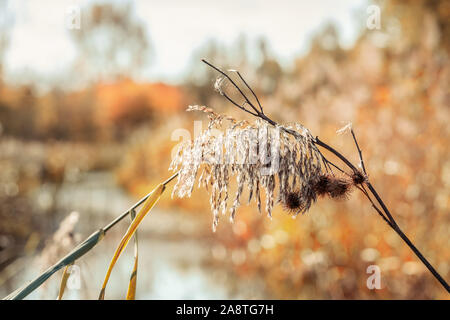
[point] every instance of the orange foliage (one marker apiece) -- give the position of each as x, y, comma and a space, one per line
118, 100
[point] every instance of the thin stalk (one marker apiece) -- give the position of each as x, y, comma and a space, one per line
387, 216
359, 152
393, 224
137, 204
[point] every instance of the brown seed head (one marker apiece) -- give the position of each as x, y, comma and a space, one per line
321, 185
293, 202
339, 188
358, 177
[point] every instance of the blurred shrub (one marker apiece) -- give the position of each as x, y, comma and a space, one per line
393, 86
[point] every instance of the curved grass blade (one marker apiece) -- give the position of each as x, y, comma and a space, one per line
131, 292
62, 286
148, 205
73, 255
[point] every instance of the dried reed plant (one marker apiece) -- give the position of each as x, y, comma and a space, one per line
257, 159
256, 155
62, 240
260, 155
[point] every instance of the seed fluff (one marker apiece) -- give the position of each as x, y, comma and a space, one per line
258, 156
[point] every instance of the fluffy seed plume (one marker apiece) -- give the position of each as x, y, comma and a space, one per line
257, 155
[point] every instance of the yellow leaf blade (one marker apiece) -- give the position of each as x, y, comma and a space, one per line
148, 205
131, 292
62, 286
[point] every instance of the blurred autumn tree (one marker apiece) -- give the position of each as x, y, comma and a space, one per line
200, 78
4, 40
17, 105
111, 41
269, 71
5, 25
112, 48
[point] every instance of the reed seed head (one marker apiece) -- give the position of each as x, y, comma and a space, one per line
293, 202
257, 155
339, 188
322, 184
358, 177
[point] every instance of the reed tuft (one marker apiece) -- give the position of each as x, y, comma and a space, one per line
257, 155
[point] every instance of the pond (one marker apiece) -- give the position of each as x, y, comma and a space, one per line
174, 261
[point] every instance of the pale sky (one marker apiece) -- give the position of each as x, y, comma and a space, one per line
41, 44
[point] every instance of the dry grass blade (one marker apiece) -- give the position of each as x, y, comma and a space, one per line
62, 286
148, 205
131, 292
75, 254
